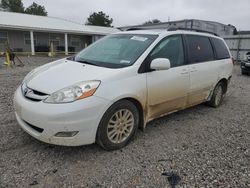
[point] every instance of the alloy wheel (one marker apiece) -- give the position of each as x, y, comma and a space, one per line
120, 126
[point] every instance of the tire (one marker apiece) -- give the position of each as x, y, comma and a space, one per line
218, 95
118, 125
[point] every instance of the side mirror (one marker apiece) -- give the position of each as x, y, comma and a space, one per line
160, 64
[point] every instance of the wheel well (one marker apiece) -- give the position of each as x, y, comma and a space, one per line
140, 110
224, 82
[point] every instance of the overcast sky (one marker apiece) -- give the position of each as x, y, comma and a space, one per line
132, 12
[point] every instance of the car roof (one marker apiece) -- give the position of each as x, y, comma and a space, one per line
166, 32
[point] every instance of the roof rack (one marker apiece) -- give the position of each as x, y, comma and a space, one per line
189, 29
135, 29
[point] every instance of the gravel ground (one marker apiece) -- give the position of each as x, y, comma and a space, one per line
197, 147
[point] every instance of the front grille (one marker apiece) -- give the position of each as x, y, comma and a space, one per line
32, 99
39, 93
32, 94
40, 130
247, 68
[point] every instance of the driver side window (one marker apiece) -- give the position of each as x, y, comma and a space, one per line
170, 48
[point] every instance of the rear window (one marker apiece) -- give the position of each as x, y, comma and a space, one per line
199, 48
220, 49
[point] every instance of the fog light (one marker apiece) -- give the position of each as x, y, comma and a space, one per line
66, 134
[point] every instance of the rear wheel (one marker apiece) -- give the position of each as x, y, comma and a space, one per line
118, 125
218, 95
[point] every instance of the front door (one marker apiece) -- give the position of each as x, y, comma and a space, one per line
168, 89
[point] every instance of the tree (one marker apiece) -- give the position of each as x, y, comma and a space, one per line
12, 5
36, 9
154, 21
17, 6
99, 19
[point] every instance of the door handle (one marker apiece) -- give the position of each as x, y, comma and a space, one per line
193, 69
185, 71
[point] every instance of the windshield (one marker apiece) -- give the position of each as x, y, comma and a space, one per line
115, 51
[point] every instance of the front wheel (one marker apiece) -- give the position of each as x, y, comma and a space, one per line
118, 125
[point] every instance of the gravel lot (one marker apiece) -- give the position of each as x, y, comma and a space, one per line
197, 147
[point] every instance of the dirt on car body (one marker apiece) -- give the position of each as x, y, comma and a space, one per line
196, 147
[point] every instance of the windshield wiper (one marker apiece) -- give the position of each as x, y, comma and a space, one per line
86, 62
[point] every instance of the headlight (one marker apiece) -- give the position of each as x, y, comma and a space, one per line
23, 87
76, 92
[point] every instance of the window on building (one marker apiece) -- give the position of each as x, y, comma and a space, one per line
189, 24
196, 24
220, 48
3, 37
96, 37
199, 48
55, 39
27, 40
75, 41
210, 27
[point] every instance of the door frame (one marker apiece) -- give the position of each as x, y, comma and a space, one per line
145, 65
145, 68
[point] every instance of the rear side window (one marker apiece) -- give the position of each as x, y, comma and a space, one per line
220, 49
199, 49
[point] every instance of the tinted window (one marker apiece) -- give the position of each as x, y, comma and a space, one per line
220, 49
199, 48
170, 48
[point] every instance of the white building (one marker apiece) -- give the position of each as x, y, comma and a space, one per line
32, 34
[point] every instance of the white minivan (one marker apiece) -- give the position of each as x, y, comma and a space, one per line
120, 83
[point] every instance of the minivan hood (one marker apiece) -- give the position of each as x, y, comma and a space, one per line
63, 73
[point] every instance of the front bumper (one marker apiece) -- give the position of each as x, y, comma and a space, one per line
245, 66
43, 121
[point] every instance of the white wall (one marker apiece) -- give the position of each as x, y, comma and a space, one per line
239, 45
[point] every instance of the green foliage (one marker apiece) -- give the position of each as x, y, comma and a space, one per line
36, 9
99, 19
17, 6
154, 21
12, 5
